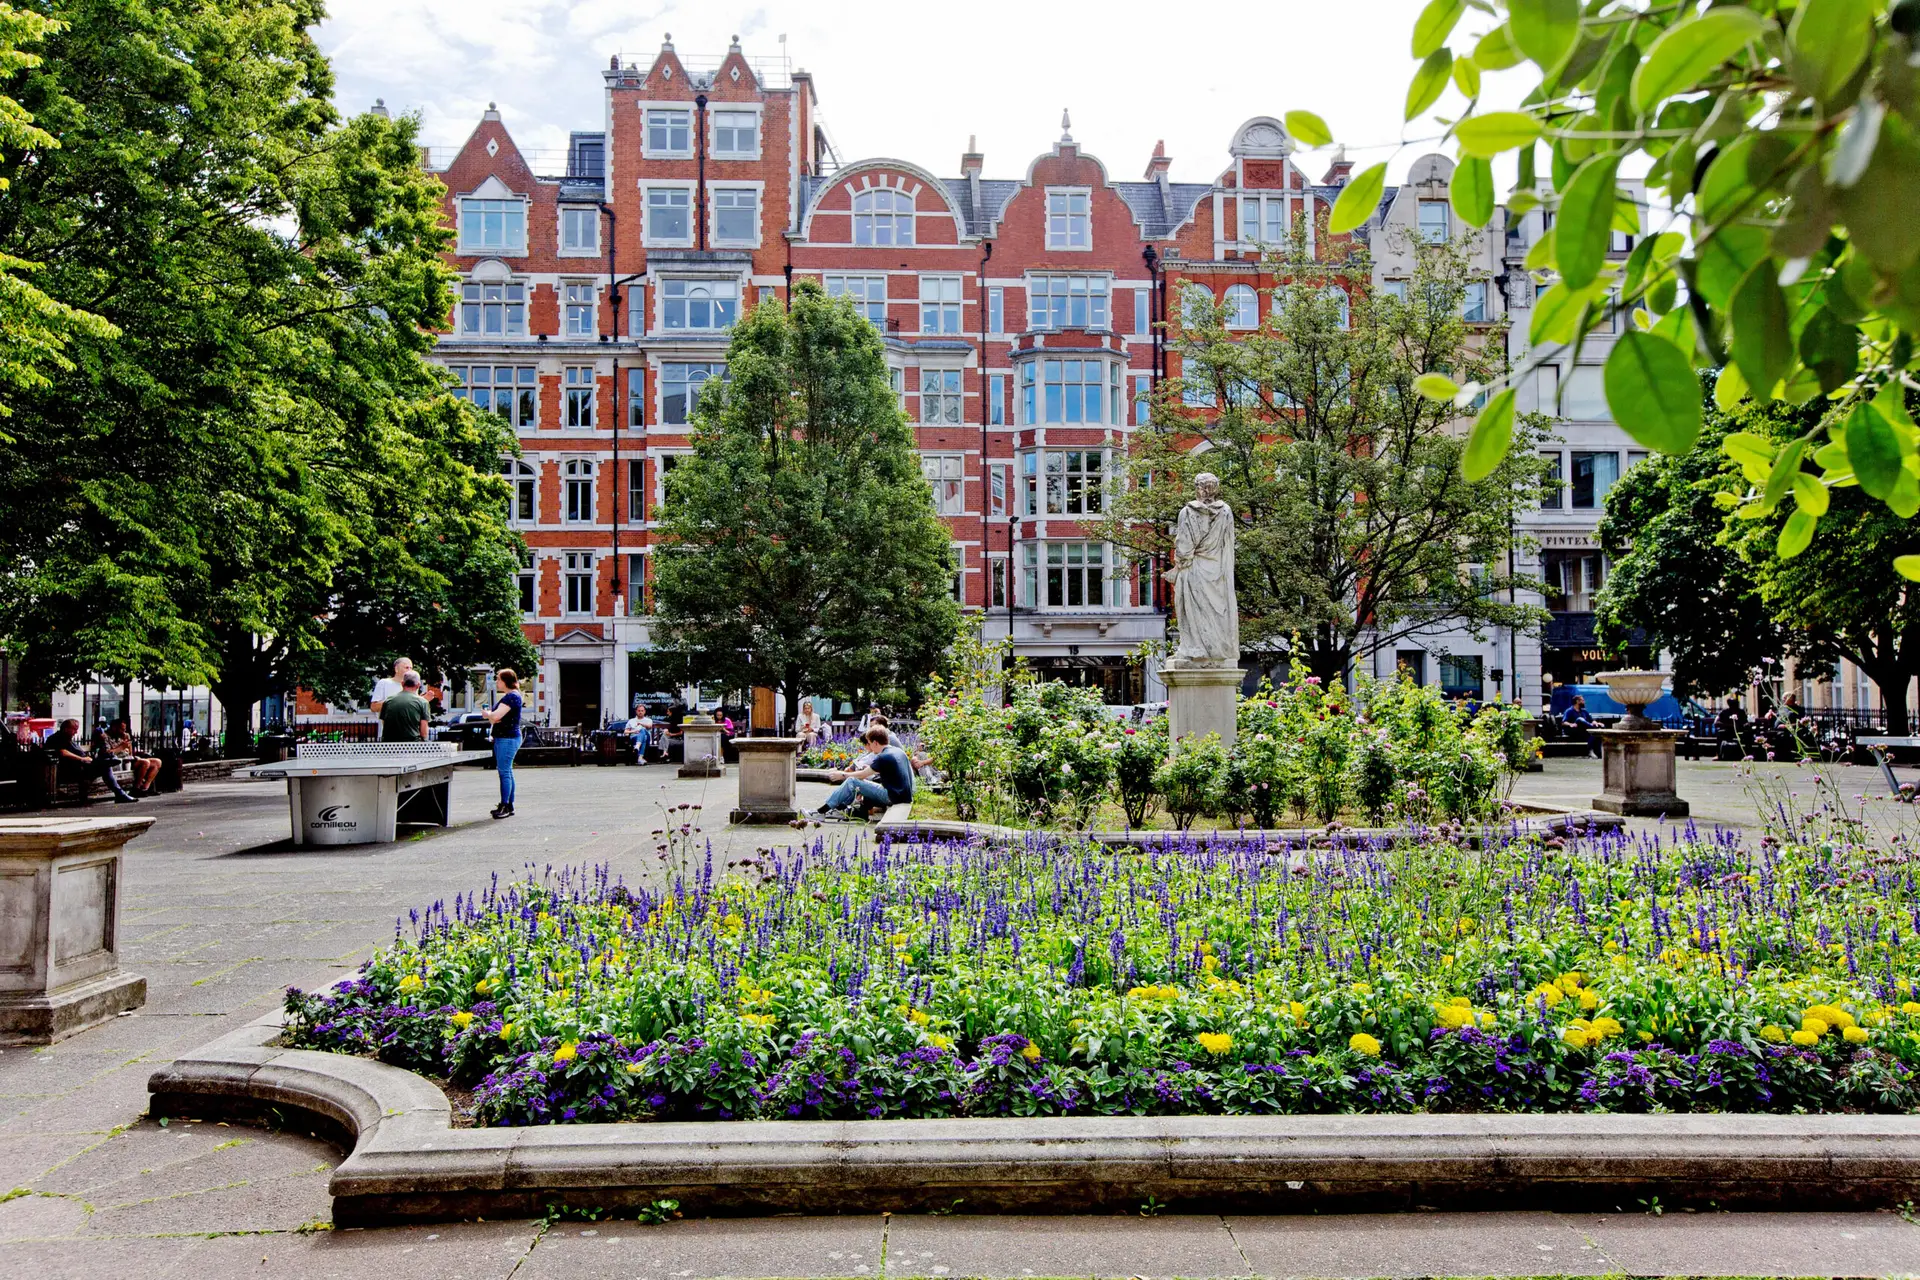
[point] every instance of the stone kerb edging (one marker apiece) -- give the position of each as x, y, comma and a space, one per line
408, 1164
899, 821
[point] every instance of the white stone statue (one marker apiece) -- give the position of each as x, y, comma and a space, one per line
1203, 595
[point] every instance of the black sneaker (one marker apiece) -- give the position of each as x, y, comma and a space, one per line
499, 811
123, 798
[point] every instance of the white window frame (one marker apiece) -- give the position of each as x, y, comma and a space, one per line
1486, 297
996, 309
650, 109
511, 302
838, 284
1093, 393
716, 110
714, 369
1242, 305
571, 216
647, 236
579, 308
894, 218
522, 387
579, 397
1036, 557
1099, 301
1061, 205
1339, 295
1143, 312
942, 299
578, 477
1420, 231
1269, 210
664, 461
527, 581
997, 399
576, 566
717, 287
506, 248
734, 190
942, 397
1072, 481
523, 481
946, 473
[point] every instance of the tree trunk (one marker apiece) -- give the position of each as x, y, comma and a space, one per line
1893, 695
237, 701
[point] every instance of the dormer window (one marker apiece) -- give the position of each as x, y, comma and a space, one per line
1263, 219
493, 226
1069, 222
883, 217
669, 133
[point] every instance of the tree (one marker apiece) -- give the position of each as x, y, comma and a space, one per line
261, 479
799, 545
1782, 138
1675, 577
1356, 526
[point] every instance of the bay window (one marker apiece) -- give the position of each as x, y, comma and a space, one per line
701, 305
680, 385
1070, 391
940, 397
945, 472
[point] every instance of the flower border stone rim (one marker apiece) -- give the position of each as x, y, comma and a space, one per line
407, 1162
1546, 819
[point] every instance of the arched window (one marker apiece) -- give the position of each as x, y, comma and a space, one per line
1194, 300
1242, 307
1339, 297
883, 216
521, 479
577, 483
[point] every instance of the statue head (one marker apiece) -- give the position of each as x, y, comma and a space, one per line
1208, 486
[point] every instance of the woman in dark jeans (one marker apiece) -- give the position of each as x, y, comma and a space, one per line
505, 719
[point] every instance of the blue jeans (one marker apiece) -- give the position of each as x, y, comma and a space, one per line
504, 749
864, 788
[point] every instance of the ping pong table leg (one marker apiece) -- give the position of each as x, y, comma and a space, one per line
293, 804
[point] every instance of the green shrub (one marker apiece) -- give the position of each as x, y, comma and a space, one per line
1189, 780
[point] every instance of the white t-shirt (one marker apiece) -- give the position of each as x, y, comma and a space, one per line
385, 687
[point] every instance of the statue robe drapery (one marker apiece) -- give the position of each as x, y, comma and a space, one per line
1203, 593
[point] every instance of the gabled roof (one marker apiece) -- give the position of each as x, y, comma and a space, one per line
994, 194
1160, 212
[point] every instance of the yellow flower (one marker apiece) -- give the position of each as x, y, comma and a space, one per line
1209, 963
567, 1052
1773, 1034
1298, 1010
1361, 988
1464, 925
939, 1041
1832, 1015
1910, 1007
1031, 1053
1460, 1002
506, 1031
917, 1016
1854, 1035
463, 1019
635, 1068
757, 1019
1588, 1000
733, 923
1604, 1027
897, 939
1805, 1037
1446, 961
1214, 1042
1488, 1020
483, 986
1361, 1042
1575, 1037
1568, 982
1549, 992
1451, 1015
1646, 1037
411, 982
1817, 1027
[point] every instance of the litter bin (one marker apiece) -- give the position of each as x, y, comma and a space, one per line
271, 748
606, 747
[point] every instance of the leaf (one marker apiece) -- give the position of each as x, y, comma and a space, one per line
1556, 313
1357, 203
1584, 227
1636, 268
1831, 348
1540, 256
1496, 131
1907, 567
1729, 389
1879, 209
1795, 535
1685, 52
1809, 494
1434, 25
1653, 393
1308, 128
1874, 451
1745, 446
1495, 51
1762, 343
1436, 386
1724, 261
1848, 159
1466, 77
1429, 82
1492, 435
1472, 191
1905, 498
1828, 40
1544, 30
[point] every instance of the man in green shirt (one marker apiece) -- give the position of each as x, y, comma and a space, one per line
404, 716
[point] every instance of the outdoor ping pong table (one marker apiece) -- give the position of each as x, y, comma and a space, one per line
360, 792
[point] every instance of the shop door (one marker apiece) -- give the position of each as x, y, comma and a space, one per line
580, 694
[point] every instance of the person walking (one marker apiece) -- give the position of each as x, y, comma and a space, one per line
504, 716
404, 715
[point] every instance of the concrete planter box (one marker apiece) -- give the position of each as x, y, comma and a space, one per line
408, 1164
767, 775
60, 926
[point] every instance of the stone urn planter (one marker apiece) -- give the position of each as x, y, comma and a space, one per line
1636, 757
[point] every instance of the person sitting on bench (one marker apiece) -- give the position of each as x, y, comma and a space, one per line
886, 779
76, 766
121, 746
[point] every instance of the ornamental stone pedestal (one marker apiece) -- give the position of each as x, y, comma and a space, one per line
1202, 700
1637, 769
701, 751
60, 926
766, 779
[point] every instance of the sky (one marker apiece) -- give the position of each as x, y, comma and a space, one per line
914, 81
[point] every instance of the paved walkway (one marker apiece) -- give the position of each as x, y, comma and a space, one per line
221, 915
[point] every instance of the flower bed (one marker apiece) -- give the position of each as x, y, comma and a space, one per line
963, 978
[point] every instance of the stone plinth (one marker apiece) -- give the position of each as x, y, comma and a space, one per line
1637, 773
1202, 700
701, 739
60, 926
766, 779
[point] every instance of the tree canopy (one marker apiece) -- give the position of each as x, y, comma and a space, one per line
1781, 140
799, 545
256, 479
1356, 526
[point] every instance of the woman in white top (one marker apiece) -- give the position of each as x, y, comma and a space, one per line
808, 725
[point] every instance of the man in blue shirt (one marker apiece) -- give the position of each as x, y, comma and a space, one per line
887, 779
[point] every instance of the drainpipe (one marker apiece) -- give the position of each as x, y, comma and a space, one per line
700, 151
613, 305
986, 478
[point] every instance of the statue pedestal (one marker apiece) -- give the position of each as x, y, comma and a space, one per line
701, 739
1637, 773
1202, 700
766, 779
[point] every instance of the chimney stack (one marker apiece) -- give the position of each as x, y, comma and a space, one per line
971, 161
1158, 165
1339, 170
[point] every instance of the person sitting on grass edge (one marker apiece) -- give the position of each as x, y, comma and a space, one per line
887, 779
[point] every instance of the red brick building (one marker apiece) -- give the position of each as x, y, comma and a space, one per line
1018, 315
